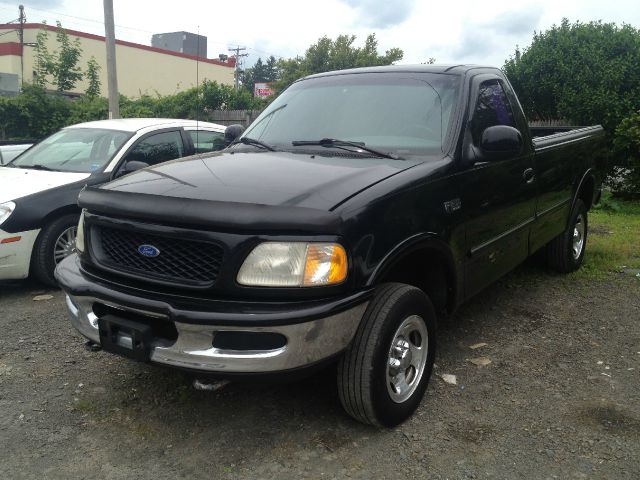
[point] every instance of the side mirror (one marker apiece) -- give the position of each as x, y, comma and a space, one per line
132, 166
231, 133
500, 141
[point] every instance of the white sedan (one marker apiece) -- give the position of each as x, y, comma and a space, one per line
39, 189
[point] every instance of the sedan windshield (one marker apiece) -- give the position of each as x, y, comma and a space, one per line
74, 150
399, 113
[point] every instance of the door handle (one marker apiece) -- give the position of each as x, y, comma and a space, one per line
529, 175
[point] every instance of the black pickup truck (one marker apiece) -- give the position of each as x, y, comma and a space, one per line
359, 207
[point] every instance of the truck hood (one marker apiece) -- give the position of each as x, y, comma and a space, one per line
20, 182
262, 178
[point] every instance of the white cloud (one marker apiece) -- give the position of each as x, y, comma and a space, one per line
462, 31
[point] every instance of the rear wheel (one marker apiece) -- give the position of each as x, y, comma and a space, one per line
565, 253
384, 373
56, 242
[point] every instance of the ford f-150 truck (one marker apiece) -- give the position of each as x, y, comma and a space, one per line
358, 208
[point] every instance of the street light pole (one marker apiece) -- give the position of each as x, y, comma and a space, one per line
112, 77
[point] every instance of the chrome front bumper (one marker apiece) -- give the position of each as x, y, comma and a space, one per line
307, 343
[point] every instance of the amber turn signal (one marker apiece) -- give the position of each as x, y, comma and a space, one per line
326, 264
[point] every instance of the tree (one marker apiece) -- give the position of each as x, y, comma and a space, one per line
338, 54
93, 76
66, 71
584, 73
260, 72
44, 59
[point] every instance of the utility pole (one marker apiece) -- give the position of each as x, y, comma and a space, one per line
238, 55
112, 76
22, 19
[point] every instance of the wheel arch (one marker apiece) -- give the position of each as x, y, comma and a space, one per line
59, 212
586, 189
427, 262
50, 217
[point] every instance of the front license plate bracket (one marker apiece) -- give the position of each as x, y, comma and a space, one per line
125, 337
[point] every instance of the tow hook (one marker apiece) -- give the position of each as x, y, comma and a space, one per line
209, 386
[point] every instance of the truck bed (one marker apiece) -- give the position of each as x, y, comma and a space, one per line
546, 137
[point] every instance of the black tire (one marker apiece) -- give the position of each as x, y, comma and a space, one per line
362, 370
42, 261
560, 251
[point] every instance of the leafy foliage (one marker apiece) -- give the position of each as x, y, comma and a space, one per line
338, 54
35, 113
625, 179
585, 73
44, 59
60, 67
66, 71
93, 76
260, 72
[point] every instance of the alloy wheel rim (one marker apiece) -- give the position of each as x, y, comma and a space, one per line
65, 244
578, 237
407, 358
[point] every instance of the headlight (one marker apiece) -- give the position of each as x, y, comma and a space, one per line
80, 234
295, 264
6, 209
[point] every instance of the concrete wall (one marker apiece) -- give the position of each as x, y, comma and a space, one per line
141, 69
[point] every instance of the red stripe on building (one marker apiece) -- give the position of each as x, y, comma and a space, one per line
7, 26
10, 48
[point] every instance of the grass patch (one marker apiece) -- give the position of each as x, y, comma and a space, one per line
614, 238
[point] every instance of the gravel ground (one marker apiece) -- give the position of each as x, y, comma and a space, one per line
560, 399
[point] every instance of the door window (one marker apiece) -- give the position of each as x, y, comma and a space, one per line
157, 148
492, 108
206, 141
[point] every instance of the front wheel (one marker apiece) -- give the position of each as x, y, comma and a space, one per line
384, 373
56, 241
565, 253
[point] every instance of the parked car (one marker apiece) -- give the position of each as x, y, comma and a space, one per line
358, 207
10, 151
39, 189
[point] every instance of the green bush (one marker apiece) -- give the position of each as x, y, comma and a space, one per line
625, 180
35, 113
586, 73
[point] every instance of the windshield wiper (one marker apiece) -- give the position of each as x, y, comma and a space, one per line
253, 142
35, 167
333, 142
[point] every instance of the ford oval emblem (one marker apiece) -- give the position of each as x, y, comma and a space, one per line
148, 251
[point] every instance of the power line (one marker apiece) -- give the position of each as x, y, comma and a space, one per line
123, 27
238, 56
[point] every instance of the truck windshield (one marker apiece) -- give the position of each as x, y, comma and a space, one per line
400, 113
73, 150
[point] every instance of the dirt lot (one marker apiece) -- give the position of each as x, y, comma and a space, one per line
560, 399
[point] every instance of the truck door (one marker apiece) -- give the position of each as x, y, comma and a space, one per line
497, 194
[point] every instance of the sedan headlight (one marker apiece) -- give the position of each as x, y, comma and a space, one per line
80, 234
294, 264
6, 209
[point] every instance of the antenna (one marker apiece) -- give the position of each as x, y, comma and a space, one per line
197, 87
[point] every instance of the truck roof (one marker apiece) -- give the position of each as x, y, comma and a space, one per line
456, 69
135, 124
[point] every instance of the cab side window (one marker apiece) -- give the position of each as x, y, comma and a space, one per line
206, 141
157, 148
492, 108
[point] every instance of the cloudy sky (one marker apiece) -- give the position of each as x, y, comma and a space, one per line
453, 31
